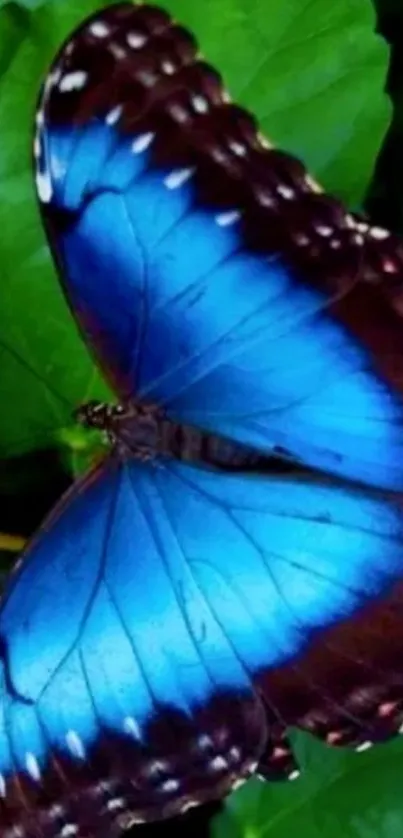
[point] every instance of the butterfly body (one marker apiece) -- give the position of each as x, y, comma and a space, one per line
143, 431
203, 608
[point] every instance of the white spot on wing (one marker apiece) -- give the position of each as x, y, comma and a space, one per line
205, 741
68, 830
73, 81
363, 747
170, 786
52, 80
225, 219
32, 766
2, 786
200, 104
218, 155
237, 148
294, 775
178, 112
324, 230
177, 178
239, 782
116, 803
75, 744
389, 267
56, 811
265, 198
44, 186
58, 166
142, 142
136, 40
113, 115
157, 766
378, 233
117, 51
218, 764
285, 191
99, 29
264, 141
131, 726
190, 804
168, 68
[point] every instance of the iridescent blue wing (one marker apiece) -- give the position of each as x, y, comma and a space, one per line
120, 691
167, 624
207, 271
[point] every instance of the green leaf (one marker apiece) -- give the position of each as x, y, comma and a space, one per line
339, 795
312, 71
46, 369
23, 4
13, 28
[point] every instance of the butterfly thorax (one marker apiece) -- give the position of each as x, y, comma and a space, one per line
143, 430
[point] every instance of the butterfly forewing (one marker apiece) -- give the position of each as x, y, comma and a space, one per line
169, 216
170, 622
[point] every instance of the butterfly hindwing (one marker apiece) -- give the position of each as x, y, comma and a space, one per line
138, 687
169, 623
208, 272
178, 671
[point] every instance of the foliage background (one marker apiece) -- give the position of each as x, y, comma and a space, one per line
314, 72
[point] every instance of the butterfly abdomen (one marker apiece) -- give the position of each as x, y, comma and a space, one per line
144, 431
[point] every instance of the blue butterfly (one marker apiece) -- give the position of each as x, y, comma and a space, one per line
173, 616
